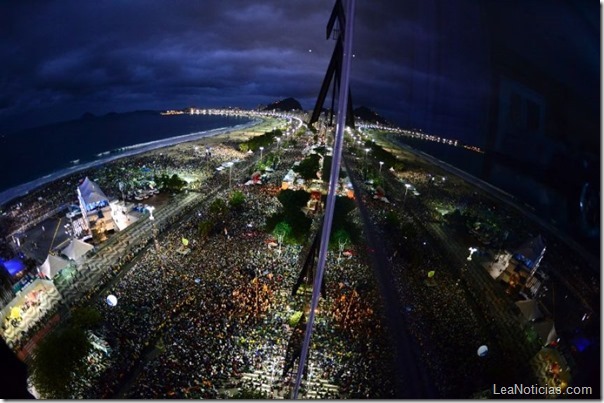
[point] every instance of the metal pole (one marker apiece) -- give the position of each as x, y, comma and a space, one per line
333, 183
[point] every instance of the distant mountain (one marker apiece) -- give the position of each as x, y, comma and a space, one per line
366, 114
285, 105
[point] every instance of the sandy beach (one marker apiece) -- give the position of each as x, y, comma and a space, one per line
170, 146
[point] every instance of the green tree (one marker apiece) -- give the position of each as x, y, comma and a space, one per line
205, 228
342, 208
321, 150
57, 359
237, 199
244, 147
300, 225
293, 200
308, 167
282, 231
340, 239
175, 183
218, 209
86, 317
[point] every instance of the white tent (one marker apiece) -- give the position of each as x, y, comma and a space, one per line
530, 309
76, 249
546, 331
92, 193
52, 265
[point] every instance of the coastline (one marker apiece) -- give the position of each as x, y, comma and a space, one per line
230, 133
500, 195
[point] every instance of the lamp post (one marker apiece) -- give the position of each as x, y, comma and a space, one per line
472, 250
230, 165
278, 143
366, 152
381, 163
150, 210
261, 149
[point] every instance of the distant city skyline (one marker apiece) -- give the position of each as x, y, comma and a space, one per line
421, 64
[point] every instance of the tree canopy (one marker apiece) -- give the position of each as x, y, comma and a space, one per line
57, 358
86, 317
237, 199
174, 182
308, 167
283, 231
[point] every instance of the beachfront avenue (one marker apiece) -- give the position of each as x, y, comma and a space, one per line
203, 304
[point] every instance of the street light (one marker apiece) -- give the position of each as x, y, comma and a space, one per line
381, 163
278, 143
472, 250
230, 165
150, 210
261, 149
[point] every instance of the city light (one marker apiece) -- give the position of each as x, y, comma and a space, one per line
472, 250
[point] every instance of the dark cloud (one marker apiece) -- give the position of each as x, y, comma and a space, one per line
420, 62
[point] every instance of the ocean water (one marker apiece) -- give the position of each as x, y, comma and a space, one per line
461, 158
35, 156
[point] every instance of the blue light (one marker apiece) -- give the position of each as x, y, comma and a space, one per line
13, 266
581, 343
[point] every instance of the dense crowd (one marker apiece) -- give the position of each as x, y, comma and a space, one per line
192, 319
227, 304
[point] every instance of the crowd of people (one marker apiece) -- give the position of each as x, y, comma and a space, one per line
444, 311
192, 319
193, 323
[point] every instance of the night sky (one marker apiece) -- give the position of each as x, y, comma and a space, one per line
419, 63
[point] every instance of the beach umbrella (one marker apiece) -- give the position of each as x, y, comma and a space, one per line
482, 351
111, 300
185, 241
15, 312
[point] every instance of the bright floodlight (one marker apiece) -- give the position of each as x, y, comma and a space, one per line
111, 300
150, 210
472, 250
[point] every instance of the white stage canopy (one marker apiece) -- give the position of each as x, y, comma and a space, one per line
92, 194
76, 249
52, 265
